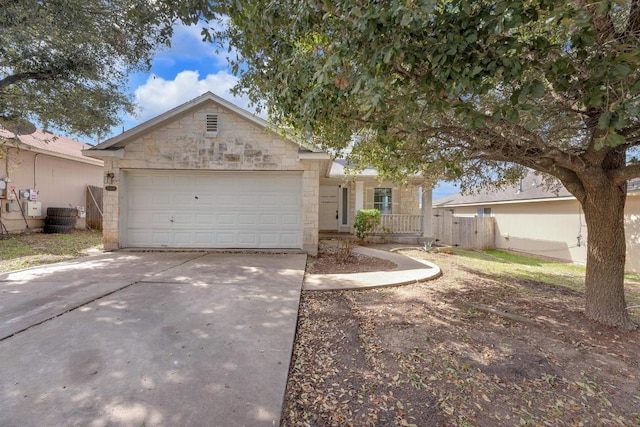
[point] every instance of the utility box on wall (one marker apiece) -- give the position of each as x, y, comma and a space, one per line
34, 209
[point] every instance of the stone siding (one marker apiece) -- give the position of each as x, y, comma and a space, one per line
184, 144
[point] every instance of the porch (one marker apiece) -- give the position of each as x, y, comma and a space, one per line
400, 224
396, 228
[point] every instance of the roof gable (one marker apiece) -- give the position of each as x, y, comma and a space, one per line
124, 138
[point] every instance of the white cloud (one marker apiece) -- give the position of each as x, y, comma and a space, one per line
158, 95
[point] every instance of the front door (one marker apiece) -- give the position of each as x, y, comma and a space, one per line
328, 213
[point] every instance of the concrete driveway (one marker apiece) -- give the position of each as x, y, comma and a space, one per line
153, 339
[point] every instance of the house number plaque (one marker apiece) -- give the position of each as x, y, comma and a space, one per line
111, 188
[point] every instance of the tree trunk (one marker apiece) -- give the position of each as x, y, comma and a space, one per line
606, 252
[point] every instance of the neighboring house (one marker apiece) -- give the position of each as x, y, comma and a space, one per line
52, 167
531, 219
208, 174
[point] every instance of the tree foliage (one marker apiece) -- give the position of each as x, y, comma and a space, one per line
470, 90
65, 62
441, 85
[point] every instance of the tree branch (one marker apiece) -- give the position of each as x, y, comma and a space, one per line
633, 26
31, 75
622, 175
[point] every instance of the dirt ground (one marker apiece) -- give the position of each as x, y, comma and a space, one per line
467, 349
335, 257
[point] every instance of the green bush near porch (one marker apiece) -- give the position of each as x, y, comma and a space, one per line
366, 222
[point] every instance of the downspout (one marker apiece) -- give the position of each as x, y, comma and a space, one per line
6, 162
35, 171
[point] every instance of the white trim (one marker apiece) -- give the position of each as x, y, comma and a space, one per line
359, 195
27, 147
104, 153
504, 202
314, 156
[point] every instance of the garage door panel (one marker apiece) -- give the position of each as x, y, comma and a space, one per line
205, 219
269, 239
181, 219
182, 238
226, 202
289, 199
248, 239
247, 219
247, 200
268, 219
184, 199
225, 219
213, 209
161, 200
205, 238
288, 238
203, 199
290, 220
225, 239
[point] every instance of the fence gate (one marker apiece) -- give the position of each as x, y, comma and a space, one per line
94, 207
467, 232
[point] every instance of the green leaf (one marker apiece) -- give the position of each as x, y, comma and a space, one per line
524, 92
537, 89
604, 120
514, 116
387, 55
596, 97
407, 17
613, 139
621, 70
479, 122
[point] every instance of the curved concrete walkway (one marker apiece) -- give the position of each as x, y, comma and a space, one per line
408, 270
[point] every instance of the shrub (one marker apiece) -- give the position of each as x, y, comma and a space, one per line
344, 251
366, 222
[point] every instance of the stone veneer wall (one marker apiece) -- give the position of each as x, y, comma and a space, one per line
183, 144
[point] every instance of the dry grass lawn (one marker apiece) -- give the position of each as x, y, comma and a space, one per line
498, 340
18, 251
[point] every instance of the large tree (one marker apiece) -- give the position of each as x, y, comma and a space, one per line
65, 63
477, 90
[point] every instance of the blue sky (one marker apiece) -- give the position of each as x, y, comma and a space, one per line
184, 71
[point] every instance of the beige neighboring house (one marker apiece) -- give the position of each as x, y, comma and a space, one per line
208, 174
45, 170
530, 219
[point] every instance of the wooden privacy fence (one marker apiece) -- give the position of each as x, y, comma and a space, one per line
467, 232
94, 207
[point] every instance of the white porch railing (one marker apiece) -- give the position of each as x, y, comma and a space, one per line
400, 224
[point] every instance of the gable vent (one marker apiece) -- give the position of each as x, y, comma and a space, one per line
212, 123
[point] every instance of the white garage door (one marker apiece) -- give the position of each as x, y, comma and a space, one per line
186, 209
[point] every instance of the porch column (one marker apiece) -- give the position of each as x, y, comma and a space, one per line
427, 198
359, 196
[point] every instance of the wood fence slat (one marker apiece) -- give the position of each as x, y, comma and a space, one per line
94, 207
467, 232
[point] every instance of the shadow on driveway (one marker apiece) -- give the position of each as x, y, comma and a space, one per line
154, 338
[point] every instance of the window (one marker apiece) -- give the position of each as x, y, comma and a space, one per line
212, 123
345, 206
382, 200
484, 212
